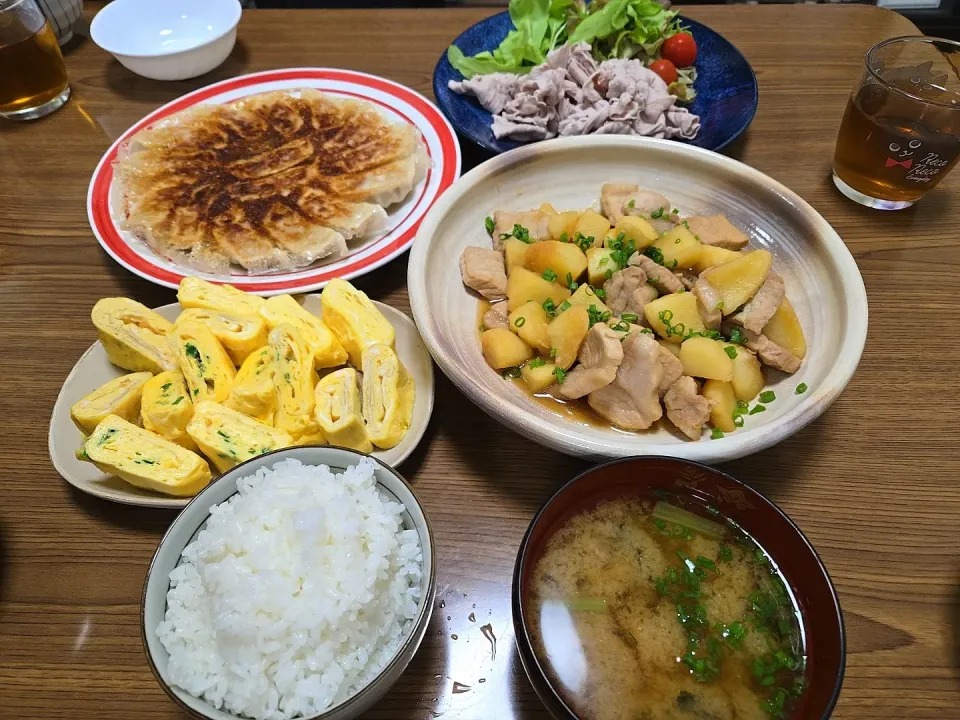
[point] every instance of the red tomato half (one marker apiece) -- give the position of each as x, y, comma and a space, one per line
665, 69
680, 49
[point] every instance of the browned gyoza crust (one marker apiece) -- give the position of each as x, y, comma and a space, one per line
271, 181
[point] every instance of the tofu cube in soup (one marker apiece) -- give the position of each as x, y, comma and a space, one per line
748, 380
529, 321
679, 247
599, 263
635, 229
711, 256
556, 260
503, 349
538, 375
513, 252
591, 224
524, 285
738, 280
561, 226
673, 316
723, 402
566, 332
784, 329
705, 358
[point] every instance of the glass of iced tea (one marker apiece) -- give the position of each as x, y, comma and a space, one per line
33, 80
900, 134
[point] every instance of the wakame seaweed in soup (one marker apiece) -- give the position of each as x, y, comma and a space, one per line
643, 611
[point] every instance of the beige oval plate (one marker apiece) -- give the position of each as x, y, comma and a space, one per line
94, 369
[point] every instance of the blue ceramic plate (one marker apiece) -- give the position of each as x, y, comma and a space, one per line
726, 87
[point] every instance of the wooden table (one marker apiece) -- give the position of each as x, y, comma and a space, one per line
873, 483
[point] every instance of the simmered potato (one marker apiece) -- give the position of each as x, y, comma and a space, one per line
748, 378
784, 329
679, 246
538, 378
529, 321
671, 346
680, 312
599, 261
591, 224
548, 209
723, 401
586, 297
560, 257
524, 285
513, 252
705, 358
738, 280
711, 256
503, 349
637, 229
566, 332
562, 224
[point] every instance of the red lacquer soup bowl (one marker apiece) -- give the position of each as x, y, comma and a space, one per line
689, 483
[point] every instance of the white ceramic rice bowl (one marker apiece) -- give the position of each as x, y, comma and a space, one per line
822, 281
191, 520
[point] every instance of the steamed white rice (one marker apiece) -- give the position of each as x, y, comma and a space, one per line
298, 591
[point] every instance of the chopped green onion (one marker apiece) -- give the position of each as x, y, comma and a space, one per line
520, 322
511, 372
801, 388
608, 274
553, 352
489, 225
600, 293
629, 317
736, 336
657, 214
549, 275
565, 305
738, 420
716, 434
768, 396
632, 203
655, 254
756, 409
564, 237
741, 408
536, 362
671, 513
730, 351
560, 373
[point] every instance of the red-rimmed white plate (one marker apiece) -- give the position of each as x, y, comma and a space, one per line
396, 102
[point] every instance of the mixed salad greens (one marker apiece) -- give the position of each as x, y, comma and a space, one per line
614, 29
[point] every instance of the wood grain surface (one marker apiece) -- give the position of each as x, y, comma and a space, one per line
873, 483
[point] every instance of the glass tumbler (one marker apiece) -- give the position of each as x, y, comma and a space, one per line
33, 79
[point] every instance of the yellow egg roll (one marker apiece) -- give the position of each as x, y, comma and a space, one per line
228, 437
327, 350
121, 396
197, 293
337, 408
388, 396
134, 336
295, 379
166, 408
354, 319
205, 365
254, 391
239, 335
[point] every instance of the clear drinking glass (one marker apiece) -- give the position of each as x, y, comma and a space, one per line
33, 79
900, 134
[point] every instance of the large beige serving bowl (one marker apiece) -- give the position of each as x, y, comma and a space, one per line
822, 281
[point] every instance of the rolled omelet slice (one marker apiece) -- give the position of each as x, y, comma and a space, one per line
354, 319
121, 397
196, 293
254, 391
205, 365
166, 408
388, 395
337, 408
239, 335
145, 460
295, 379
134, 336
327, 350
228, 437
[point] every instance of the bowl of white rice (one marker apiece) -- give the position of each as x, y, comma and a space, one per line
297, 585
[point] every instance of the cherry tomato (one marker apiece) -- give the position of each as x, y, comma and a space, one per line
680, 49
665, 69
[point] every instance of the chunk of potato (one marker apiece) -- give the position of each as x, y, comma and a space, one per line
705, 358
513, 252
723, 402
679, 247
548, 209
671, 346
637, 229
586, 297
680, 313
599, 262
738, 280
524, 286
529, 321
711, 256
748, 378
561, 225
591, 224
784, 329
566, 333
538, 378
503, 349
560, 257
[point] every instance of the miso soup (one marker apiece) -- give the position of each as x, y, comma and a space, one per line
648, 611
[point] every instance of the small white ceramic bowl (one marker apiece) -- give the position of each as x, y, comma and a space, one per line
167, 39
153, 605
821, 277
